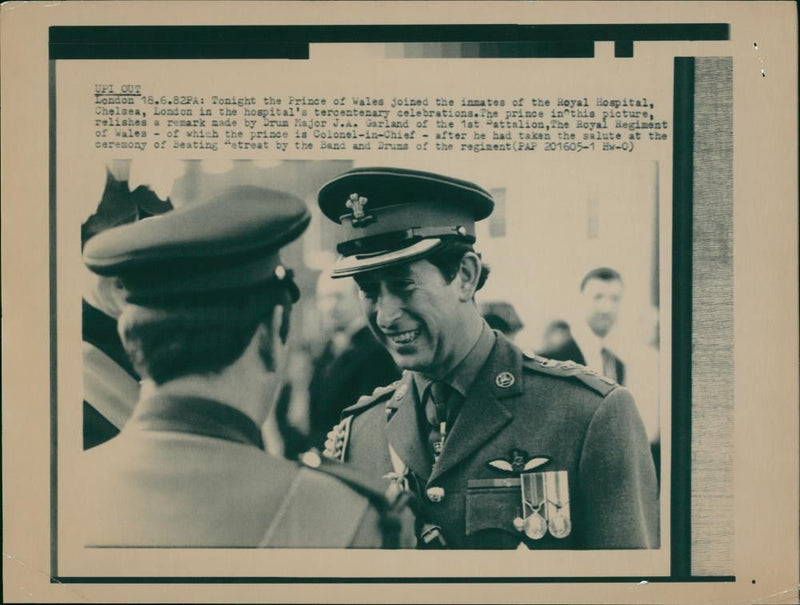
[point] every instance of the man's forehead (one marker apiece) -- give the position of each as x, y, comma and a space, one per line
404, 270
397, 271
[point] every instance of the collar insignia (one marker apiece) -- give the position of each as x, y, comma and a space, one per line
504, 380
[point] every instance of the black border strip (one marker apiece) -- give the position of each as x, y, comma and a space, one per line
682, 229
53, 327
292, 41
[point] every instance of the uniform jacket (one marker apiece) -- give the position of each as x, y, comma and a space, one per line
525, 408
339, 380
570, 351
192, 472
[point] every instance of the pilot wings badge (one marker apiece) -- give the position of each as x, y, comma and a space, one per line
518, 462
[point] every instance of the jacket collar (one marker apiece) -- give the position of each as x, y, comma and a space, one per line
462, 377
403, 430
197, 416
484, 412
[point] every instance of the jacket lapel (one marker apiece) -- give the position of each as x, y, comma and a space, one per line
484, 412
402, 430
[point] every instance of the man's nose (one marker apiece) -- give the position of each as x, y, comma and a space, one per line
388, 309
604, 305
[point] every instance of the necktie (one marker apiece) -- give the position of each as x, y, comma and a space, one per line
609, 364
439, 396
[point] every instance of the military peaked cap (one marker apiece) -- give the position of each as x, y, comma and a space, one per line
393, 215
227, 243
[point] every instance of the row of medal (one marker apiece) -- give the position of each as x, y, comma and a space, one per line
545, 505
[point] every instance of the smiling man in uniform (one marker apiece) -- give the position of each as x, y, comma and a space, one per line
503, 449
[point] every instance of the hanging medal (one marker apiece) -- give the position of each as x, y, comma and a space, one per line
534, 510
557, 489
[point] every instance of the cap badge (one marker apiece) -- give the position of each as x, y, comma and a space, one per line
356, 204
504, 380
518, 462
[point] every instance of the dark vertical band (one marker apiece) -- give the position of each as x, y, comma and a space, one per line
682, 228
53, 329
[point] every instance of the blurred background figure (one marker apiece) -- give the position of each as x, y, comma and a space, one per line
352, 362
601, 292
556, 335
111, 385
643, 378
502, 316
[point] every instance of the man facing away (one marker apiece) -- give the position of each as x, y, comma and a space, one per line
205, 322
504, 450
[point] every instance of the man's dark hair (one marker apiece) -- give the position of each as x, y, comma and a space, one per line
448, 257
601, 273
201, 335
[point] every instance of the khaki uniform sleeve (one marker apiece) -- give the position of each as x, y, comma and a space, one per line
618, 489
369, 534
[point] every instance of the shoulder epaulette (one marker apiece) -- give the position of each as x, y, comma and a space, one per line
336, 440
339, 435
367, 401
570, 369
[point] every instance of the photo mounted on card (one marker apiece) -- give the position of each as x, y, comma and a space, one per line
392, 290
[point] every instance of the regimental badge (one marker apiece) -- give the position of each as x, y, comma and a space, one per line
356, 204
545, 505
518, 462
504, 380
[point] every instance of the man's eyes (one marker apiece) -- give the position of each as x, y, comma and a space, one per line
399, 287
370, 292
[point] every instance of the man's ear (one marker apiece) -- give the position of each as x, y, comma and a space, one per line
270, 338
280, 321
469, 272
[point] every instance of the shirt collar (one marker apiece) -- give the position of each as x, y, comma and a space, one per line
463, 375
585, 336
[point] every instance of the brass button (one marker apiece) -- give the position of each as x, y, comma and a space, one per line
435, 494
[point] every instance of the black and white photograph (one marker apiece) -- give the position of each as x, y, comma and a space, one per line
381, 304
390, 300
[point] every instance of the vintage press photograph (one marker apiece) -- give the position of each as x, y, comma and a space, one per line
333, 354
399, 302
333, 304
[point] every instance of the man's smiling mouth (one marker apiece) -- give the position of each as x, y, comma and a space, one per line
403, 338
